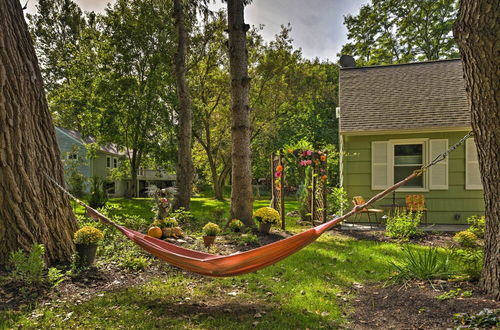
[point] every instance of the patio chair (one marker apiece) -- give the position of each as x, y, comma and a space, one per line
416, 203
359, 200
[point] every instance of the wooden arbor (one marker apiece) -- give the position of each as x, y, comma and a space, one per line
316, 201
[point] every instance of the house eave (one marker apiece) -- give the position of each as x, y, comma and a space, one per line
407, 131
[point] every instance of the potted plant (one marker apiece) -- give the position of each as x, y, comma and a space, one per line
210, 231
86, 240
236, 225
266, 217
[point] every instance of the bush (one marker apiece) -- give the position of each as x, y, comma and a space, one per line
170, 223
211, 229
470, 262
218, 214
422, 265
337, 201
134, 263
55, 276
236, 225
28, 268
267, 215
477, 225
98, 196
403, 225
465, 239
486, 318
249, 239
182, 216
88, 235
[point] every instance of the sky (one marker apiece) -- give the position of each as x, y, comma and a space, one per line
317, 25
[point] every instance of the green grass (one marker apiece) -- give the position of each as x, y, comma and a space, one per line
307, 290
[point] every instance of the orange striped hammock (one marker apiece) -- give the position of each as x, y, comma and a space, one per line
238, 263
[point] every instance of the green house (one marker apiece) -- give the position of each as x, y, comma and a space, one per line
395, 118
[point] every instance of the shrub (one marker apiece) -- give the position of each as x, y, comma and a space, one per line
477, 225
98, 196
465, 239
182, 215
170, 223
55, 276
422, 265
28, 268
88, 235
211, 229
218, 214
454, 293
470, 261
134, 263
236, 225
249, 239
403, 225
337, 201
486, 318
267, 215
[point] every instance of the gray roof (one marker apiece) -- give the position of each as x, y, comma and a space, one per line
110, 148
425, 95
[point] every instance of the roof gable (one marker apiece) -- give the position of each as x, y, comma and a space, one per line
422, 95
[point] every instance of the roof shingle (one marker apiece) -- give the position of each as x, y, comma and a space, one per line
409, 96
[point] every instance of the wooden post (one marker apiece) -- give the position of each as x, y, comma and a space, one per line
282, 193
273, 197
325, 190
313, 195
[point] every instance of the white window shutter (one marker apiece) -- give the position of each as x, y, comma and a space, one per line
380, 153
472, 174
438, 173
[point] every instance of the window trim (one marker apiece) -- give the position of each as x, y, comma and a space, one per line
425, 157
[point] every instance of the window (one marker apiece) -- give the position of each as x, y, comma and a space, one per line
108, 162
141, 171
115, 162
408, 158
72, 156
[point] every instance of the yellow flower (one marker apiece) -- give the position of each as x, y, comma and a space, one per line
88, 235
267, 215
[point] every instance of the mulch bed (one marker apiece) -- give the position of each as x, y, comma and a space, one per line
414, 305
426, 239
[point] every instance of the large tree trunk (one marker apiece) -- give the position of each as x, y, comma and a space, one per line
32, 209
185, 169
478, 34
241, 188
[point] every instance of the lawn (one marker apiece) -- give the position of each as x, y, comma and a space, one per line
312, 289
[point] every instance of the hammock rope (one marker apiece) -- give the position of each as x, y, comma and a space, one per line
248, 261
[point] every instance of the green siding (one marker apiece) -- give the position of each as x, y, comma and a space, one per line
443, 205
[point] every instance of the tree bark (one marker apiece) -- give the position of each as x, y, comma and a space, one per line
478, 35
185, 169
32, 209
241, 188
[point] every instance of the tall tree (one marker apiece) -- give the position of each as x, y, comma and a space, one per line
32, 209
478, 36
241, 183
399, 31
185, 169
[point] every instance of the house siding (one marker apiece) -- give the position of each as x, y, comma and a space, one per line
442, 205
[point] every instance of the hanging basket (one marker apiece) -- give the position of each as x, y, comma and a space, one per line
86, 254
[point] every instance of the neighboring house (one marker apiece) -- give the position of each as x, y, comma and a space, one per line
395, 118
73, 146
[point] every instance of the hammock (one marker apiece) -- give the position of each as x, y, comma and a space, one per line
243, 262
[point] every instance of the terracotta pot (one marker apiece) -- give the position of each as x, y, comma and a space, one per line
86, 254
265, 227
208, 240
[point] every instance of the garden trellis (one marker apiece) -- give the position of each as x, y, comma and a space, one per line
316, 196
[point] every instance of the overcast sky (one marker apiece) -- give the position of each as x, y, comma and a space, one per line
316, 24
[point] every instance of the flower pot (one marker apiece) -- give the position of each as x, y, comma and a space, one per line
265, 227
86, 254
208, 240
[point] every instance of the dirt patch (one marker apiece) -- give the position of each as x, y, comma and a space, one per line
426, 239
414, 306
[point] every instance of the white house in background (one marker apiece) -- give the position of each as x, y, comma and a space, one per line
73, 146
